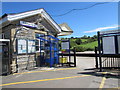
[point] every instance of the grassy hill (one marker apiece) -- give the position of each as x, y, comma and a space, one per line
89, 45
83, 40
86, 44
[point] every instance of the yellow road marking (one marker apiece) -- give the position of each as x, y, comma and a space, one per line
43, 80
45, 71
102, 82
116, 88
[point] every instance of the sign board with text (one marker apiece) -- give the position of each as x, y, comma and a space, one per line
28, 24
65, 45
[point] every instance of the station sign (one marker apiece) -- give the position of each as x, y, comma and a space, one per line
28, 24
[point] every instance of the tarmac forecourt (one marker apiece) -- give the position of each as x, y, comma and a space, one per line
44, 80
51, 79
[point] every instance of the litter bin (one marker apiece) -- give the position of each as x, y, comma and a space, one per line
63, 60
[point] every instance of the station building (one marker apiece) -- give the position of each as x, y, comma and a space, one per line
20, 43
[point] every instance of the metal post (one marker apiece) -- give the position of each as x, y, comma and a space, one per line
50, 54
116, 45
74, 57
9, 53
69, 52
99, 48
96, 58
40, 62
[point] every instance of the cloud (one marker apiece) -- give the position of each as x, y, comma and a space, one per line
102, 28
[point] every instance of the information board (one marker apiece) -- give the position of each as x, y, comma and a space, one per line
109, 45
31, 46
22, 46
65, 45
118, 44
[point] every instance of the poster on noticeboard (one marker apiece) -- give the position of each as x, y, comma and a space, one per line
31, 46
118, 44
22, 46
109, 45
65, 45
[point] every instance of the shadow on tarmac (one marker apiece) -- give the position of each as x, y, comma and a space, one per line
94, 72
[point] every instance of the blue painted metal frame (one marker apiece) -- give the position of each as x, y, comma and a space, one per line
52, 43
53, 37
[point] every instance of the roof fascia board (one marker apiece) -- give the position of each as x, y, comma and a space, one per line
65, 25
23, 15
30, 13
64, 33
48, 18
19, 16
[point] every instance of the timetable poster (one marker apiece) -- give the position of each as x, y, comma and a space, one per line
22, 46
31, 46
65, 45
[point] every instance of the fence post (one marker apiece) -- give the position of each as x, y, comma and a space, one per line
74, 57
99, 48
69, 52
96, 58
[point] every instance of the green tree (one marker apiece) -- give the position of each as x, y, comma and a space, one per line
88, 36
84, 37
95, 36
78, 41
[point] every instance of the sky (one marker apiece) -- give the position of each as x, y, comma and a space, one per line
82, 22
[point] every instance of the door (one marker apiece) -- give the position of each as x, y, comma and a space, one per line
4, 57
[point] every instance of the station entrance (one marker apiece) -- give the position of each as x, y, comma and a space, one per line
4, 56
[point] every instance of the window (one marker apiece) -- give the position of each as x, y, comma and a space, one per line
37, 44
42, 45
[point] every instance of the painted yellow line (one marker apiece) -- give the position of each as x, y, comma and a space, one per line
43, 80
102, 82
45, 71
116, 88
